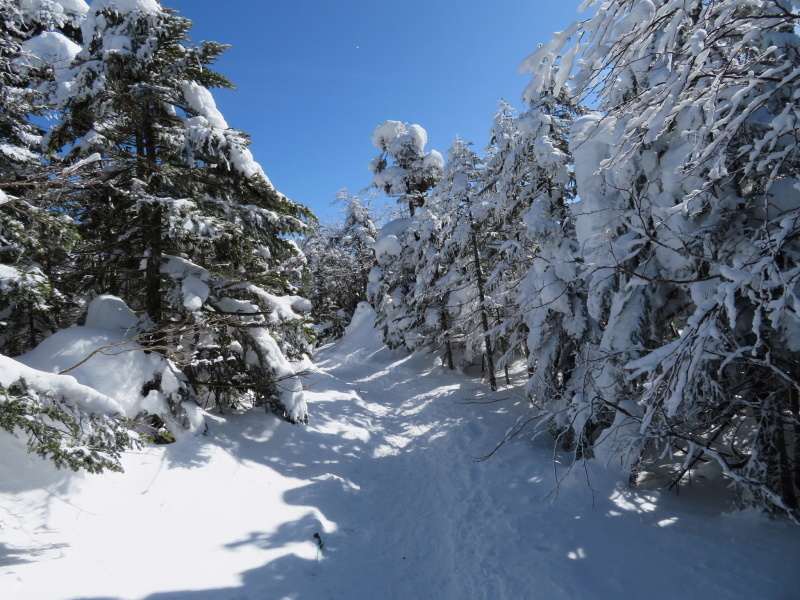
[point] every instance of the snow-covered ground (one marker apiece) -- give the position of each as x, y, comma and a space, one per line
385, 474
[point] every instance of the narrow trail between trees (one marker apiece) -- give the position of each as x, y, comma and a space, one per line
385, 474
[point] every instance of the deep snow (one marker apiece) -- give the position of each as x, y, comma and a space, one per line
385, 474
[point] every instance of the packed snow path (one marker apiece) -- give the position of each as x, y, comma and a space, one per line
385, 474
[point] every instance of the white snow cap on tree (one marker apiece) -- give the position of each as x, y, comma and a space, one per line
386, 133
393, 136
62, 10
95, 21
49, 47
414, 170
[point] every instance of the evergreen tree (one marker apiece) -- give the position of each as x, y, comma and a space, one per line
183, 224
356, 237
340, 258
34, 240
462, 243
403, 169
393, 279
688, 186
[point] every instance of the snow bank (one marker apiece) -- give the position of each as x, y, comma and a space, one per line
390, 432
361, 340
111, 312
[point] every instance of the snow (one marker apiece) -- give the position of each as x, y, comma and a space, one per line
126, 6
388, 236
202, 102
72, 7
49, 47
61, 386
103, 356
384, 474
9, 273
110, 312
92, 158
386, 133
78, 7
433, 160
193, 279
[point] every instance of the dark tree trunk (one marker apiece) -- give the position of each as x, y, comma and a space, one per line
482, 297
448, 346
151, 217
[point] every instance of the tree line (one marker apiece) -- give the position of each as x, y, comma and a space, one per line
632, 235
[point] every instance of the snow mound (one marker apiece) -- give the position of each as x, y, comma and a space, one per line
110, 312
361, 340
103, 356
60, 386
49, 48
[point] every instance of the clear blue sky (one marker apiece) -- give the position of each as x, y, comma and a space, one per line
315, 77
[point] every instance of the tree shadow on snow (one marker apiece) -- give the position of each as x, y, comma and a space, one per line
352, 474
11, 555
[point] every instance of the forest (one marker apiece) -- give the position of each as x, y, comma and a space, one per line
629, 238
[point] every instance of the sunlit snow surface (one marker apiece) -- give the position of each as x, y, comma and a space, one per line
384, 474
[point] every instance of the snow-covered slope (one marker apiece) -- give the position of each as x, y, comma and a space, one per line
385, 474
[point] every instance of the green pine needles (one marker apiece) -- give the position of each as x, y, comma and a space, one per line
61, 432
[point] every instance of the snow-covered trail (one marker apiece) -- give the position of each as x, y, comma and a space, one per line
385, 473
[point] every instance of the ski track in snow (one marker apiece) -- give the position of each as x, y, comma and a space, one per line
385, 473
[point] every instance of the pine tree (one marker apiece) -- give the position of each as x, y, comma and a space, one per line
34, 240
392, 280
340, 258
534, 283
412, 171
183, 225
356, 237
35, 243
462, 239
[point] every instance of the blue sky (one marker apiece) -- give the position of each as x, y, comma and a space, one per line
316, 77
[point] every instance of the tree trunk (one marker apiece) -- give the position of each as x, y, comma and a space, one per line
448, 346
151, 217
482, 297
794, 401
784, 462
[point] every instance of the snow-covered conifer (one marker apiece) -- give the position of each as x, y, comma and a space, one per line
462, 255
34, 240
411, 176
340, 258
688, 213
403, 169
534, 284
184, 225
